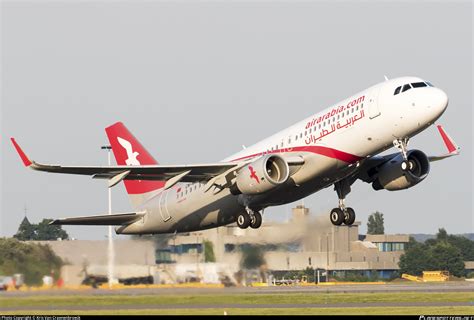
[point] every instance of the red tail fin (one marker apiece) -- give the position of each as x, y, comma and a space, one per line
128, 151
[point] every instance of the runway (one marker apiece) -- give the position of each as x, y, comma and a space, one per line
245, 306
458, 286
402, 298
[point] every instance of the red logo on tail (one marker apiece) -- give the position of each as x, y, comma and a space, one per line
253, 174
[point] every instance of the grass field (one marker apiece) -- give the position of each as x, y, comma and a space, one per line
190, 304
265, 311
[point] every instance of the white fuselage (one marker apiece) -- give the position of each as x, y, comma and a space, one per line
332, 143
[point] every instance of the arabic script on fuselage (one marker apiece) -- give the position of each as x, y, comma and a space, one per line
344, 121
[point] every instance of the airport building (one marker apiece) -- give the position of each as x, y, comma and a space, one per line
299, 244
303, 242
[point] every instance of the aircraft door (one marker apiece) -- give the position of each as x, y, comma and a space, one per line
165, 215
373, 104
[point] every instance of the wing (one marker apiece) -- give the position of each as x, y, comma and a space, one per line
171, 173
103, 220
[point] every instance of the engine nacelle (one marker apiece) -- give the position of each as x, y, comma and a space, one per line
261, 175
391, 176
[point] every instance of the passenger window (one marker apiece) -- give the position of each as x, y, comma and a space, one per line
305, 133
406, 87
296, 138
301, 134
397, 91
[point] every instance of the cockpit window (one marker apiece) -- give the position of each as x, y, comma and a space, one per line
418, 84
406, 87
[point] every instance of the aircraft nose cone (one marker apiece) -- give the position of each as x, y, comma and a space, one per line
438, 101
442, 100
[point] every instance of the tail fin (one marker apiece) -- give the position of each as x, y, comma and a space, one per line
129, 151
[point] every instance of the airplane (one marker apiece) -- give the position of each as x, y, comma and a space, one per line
334, 147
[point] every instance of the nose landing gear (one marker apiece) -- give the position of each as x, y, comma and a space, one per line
342, 214
402, 145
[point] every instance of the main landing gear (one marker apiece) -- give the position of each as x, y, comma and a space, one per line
402, 145
250, 218
342, 214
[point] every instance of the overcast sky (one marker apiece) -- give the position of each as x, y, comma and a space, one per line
196, 80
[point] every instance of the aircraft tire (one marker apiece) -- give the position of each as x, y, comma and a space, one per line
336, 216
243, 220
257, 221
407, 165
349, 217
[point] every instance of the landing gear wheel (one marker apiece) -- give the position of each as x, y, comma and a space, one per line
404, 165
256, 221
408, 165
243, 221
349, 216
336, 216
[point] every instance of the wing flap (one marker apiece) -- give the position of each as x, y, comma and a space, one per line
102, 220
147, 172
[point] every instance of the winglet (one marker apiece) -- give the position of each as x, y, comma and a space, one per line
450, 144
27, 162
453, 149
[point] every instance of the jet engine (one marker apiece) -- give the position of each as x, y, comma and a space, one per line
392, 177
261, 175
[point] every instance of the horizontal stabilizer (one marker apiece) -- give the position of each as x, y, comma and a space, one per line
104, 220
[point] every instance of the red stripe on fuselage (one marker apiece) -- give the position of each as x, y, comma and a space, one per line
324, 151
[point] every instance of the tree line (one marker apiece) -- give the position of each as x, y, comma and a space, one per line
42, 231
445, 252
33, 260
